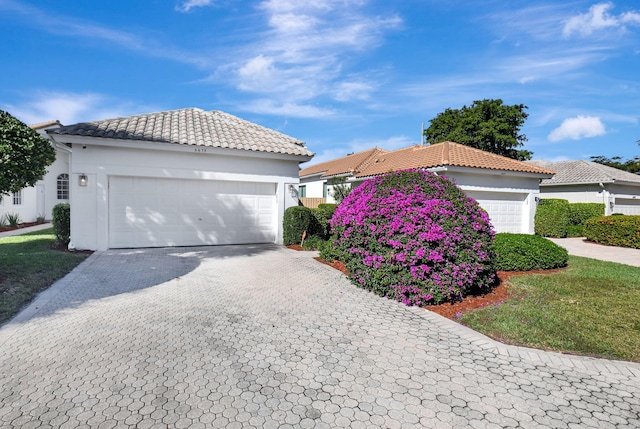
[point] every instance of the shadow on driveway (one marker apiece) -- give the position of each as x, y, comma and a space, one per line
122, 271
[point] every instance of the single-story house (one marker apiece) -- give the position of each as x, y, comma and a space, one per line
37, 201
590, 182
507, 189
178, 178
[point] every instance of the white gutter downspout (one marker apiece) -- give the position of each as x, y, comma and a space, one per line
605, 200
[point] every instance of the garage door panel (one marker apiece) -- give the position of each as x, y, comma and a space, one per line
149, 212
505, 210
627, 206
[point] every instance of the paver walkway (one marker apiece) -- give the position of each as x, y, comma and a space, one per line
262, 336
580, 247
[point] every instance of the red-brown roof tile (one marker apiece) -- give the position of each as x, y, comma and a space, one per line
353, 163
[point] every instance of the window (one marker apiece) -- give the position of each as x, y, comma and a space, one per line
17, 198
302, 191
63, 186
324, 190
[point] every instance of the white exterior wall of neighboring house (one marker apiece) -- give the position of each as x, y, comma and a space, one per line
315, 188
617, 198
117, 164
39, 200
509, 198
22, 204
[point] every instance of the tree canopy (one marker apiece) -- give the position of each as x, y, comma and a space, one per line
631, 165
488, 125
24, 155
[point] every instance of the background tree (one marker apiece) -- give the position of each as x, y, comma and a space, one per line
24, 155
488, 125
631, 165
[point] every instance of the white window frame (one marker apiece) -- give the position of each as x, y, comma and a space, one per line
17, 198
62, 186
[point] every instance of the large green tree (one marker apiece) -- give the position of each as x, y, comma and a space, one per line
488, 125
24, 155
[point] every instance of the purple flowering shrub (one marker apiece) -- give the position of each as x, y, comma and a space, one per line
415, 237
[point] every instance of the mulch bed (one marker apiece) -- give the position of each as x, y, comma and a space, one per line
22, 225
451, 311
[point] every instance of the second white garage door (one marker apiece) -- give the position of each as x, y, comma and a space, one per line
154, 212
628, 206
506, 210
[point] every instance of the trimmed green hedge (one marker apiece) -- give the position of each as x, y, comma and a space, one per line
523, 252
579, 212
559, 218
323, 215
615, 230
61, 221
296, 220
552, 218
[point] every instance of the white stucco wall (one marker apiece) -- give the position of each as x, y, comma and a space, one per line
39, 200
519, 188
617, 198
27, 210
89, 205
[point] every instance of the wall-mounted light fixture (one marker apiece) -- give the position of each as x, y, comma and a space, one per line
83, 180
293, 191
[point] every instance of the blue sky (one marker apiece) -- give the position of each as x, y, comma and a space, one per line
341, 75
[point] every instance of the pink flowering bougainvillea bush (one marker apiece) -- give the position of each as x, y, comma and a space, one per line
415, 237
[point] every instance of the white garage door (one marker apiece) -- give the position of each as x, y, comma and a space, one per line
506, 210
627, 206
153, 212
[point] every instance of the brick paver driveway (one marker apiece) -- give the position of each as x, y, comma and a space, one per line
262, 336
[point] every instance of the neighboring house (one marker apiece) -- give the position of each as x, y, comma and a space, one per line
590, 182
507, 189
38, 201
179, 178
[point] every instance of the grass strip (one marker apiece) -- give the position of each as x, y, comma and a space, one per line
591, 308
28, 266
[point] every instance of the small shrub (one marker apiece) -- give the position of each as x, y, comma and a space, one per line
614, 230
3, 221
329, 251
296, 221
40, 218
323, 215
523, 252
579, 212
414, 237
13, 219
313, 243
61, 221
552, 218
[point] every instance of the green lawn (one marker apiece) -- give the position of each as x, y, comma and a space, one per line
28, 266
591, 308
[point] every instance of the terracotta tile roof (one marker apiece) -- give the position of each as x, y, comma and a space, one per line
47, 124
348, 164
573, 172
446, 154
190, 126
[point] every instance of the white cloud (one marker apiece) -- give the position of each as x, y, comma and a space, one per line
356, 90
70, 108
598, 18
186, 6
578, 128
290, 109
306, 50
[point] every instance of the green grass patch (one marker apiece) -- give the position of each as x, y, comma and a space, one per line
28, 266
591, 308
